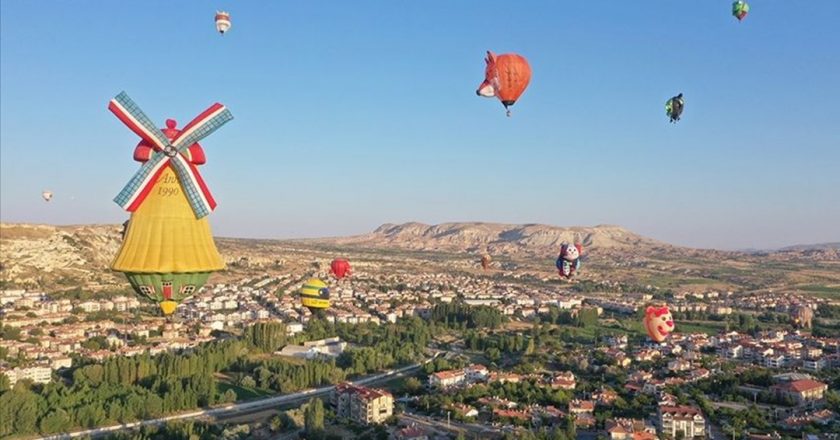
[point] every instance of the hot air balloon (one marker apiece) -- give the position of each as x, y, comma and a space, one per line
485, 261
315, 295
658, 322
47, 195
568, 261
803, 316
222, 22
168, 250
674, 107
506, 77
740, 9
340, 268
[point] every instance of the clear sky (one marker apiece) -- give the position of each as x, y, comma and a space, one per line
349, 114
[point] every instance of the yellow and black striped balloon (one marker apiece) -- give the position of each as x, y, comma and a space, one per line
314, 294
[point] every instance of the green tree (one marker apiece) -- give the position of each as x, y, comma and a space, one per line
229, 396
413, 385
313, 417
56, 421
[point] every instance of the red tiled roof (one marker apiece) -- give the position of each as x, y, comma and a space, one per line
803, 385
680, 410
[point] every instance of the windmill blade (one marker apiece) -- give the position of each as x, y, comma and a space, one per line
130, 114
202, 126
193, 186
148, 172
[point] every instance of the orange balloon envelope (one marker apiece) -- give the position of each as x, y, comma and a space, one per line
506, 77
485, 261
658, 322
340, 268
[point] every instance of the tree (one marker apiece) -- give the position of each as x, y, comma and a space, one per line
413, 385
313, 417
276, 423
56, 421
229, 396
571, 429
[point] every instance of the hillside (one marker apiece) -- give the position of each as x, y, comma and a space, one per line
498, 238
63, 257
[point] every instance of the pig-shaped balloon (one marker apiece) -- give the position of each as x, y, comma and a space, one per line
569, 259
658, 322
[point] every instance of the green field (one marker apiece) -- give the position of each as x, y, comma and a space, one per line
242, 393
828, 292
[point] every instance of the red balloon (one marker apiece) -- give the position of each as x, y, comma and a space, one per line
340, 268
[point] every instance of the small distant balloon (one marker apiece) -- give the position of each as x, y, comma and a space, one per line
568, 261
674, 107
740, 9
340, 268
485, 261
47, 195
222, 22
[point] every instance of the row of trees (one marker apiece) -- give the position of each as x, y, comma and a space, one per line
459, 314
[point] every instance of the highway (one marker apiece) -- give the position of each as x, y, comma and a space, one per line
235, 410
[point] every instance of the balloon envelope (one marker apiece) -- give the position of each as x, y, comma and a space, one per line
340, 268
47, 195
315, 295
658, 322
506, 77
222, 21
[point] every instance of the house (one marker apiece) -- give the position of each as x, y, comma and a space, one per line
563, 381
464, 410
630, 429
801, 391
362, 405
476, 372
411, 433
685, 420
577, 407
446, 379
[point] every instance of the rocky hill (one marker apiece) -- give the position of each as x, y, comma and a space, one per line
57, 255
500, 238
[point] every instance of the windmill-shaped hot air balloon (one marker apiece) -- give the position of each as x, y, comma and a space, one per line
168, 250
222, 22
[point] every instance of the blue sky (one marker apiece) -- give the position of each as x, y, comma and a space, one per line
353, 114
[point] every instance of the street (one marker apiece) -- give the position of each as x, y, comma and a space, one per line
240, 411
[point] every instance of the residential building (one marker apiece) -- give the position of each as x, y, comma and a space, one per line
630, 429
35, 374
446, 379
362, 405
686, 420
802, 391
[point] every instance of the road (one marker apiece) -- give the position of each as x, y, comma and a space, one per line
237, 410
441, 427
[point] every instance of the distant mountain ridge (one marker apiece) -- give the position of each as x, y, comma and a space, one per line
812, 247
502, 238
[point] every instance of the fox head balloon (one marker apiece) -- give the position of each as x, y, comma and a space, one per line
658, 322
506, 77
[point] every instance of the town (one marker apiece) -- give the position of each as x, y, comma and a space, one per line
563, 362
